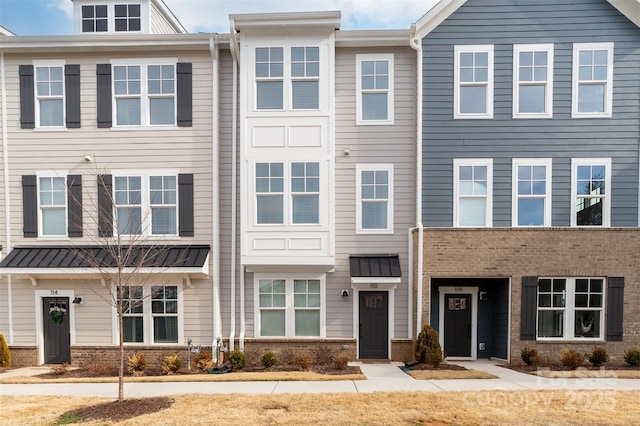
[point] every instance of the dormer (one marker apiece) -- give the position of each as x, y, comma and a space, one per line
124, 17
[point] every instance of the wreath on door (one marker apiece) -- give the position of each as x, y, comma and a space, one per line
56, 314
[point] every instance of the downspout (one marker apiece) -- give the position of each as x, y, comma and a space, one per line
215, 171
7, 207
415, 44
234, 189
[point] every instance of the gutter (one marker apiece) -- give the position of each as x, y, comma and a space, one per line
234, 195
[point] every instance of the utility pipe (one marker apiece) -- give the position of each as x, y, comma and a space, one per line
234, 195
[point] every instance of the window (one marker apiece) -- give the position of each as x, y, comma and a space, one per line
290, 307
305, 76
570, 308
49, 82
533, 81
151, 314
592, 80
305, 192
591, 186
132, 314
94, 19
127, 17
52, 200
146, 204
473, 192
531, 192
374, 208
269, 193
374, 89
144, 95
269, 77
164, 311
473, 78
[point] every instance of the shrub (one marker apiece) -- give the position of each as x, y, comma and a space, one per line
303, 361
632, 356
323, 354
598, 356
203, 361
5, 354
428, 349
269, 359
237, 359
530, 356
340, 362
136, 363
170, 364
571, 358
59, 369
252, 357
287, 357
99, 367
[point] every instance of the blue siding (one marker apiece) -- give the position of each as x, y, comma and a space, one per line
504, 23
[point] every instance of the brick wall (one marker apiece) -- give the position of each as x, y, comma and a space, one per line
552, 252
23, 356
256, 347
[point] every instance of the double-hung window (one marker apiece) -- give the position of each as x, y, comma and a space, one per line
473, 192
52, 202
533, 81
50, 106
591, 192
269, 77
305, 192
164, 311
592, 80
570, 308
374, 201
95, 19
270, 193
132, 314
473, 81
531, 192
151, 314
374, 89
127, 17
305, 77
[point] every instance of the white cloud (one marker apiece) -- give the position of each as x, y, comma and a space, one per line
63, 5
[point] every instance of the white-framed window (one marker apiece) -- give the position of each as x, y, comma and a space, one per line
533, 81
473, 192
305, 193
146, 203
531, 203
52, 203
374, 200
305, 77
571, 308
127, 18
592, 94
269, 193
473, 81
374, 89
591, 191
144, 93
50, 92
269, 77
290, 305
152, 314
95, 18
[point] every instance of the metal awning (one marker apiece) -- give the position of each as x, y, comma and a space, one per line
375, 268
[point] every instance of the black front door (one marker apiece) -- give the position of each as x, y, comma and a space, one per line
457, 325
374, 325
56, 330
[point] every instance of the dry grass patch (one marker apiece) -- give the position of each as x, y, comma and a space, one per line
449, 374
588, 374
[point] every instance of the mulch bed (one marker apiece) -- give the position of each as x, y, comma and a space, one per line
559, 367
443, 366
118, 410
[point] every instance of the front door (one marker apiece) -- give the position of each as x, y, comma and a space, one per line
457, 325
374, 325
55, 316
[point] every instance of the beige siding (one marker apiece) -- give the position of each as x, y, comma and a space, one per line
159, 24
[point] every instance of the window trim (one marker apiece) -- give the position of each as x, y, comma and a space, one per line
53, 174
548, 85
389, 57
61, 63
608, 96
548, 199
457, 163
458, 50
303, 78
289, 303
606, 205
362, 167
94, 19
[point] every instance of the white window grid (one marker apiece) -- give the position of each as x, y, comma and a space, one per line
378, 170
478, 73
52, 195
478, 167
598, 188
133, 305
269, 69
95, 18
305, 183
374, 82
49, 88
127, 18
305, 68
533, 67
590, 68
532, 164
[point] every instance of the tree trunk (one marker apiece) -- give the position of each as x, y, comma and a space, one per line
119, 291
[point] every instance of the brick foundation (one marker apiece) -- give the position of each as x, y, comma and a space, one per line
402, 350
346, 347
23, 356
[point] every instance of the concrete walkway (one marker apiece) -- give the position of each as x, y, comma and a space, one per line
380, 378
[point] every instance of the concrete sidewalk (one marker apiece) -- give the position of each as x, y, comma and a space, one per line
380, 378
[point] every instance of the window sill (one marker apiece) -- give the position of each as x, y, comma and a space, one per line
531, 116
142, 128
53, 238
374, 123
473, 116
573, 340
50, 129
374, 231
577, 115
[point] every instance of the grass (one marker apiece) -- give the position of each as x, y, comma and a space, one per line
449, 374
380, 408
583, 373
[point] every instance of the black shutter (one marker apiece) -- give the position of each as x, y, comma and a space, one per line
528, 308
74, 201
72, 94
105, 206
615, 303
184, 98
27, 97
103, 74
29, 206
185, 203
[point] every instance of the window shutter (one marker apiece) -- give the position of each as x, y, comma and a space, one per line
27, 97
103, 74
184, 98
105, 206
74, 202
30, 206
528, 308
72, 95
615, 304
185, 202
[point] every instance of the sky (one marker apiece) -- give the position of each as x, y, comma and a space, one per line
53, 17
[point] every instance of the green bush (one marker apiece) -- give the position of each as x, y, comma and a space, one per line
428, 349
5, 354
571, 358
136, 363
268, 359
237, 360
171, 364
632, 356
598, 356
530, 356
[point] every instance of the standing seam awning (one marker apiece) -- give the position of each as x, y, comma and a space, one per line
375, 267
